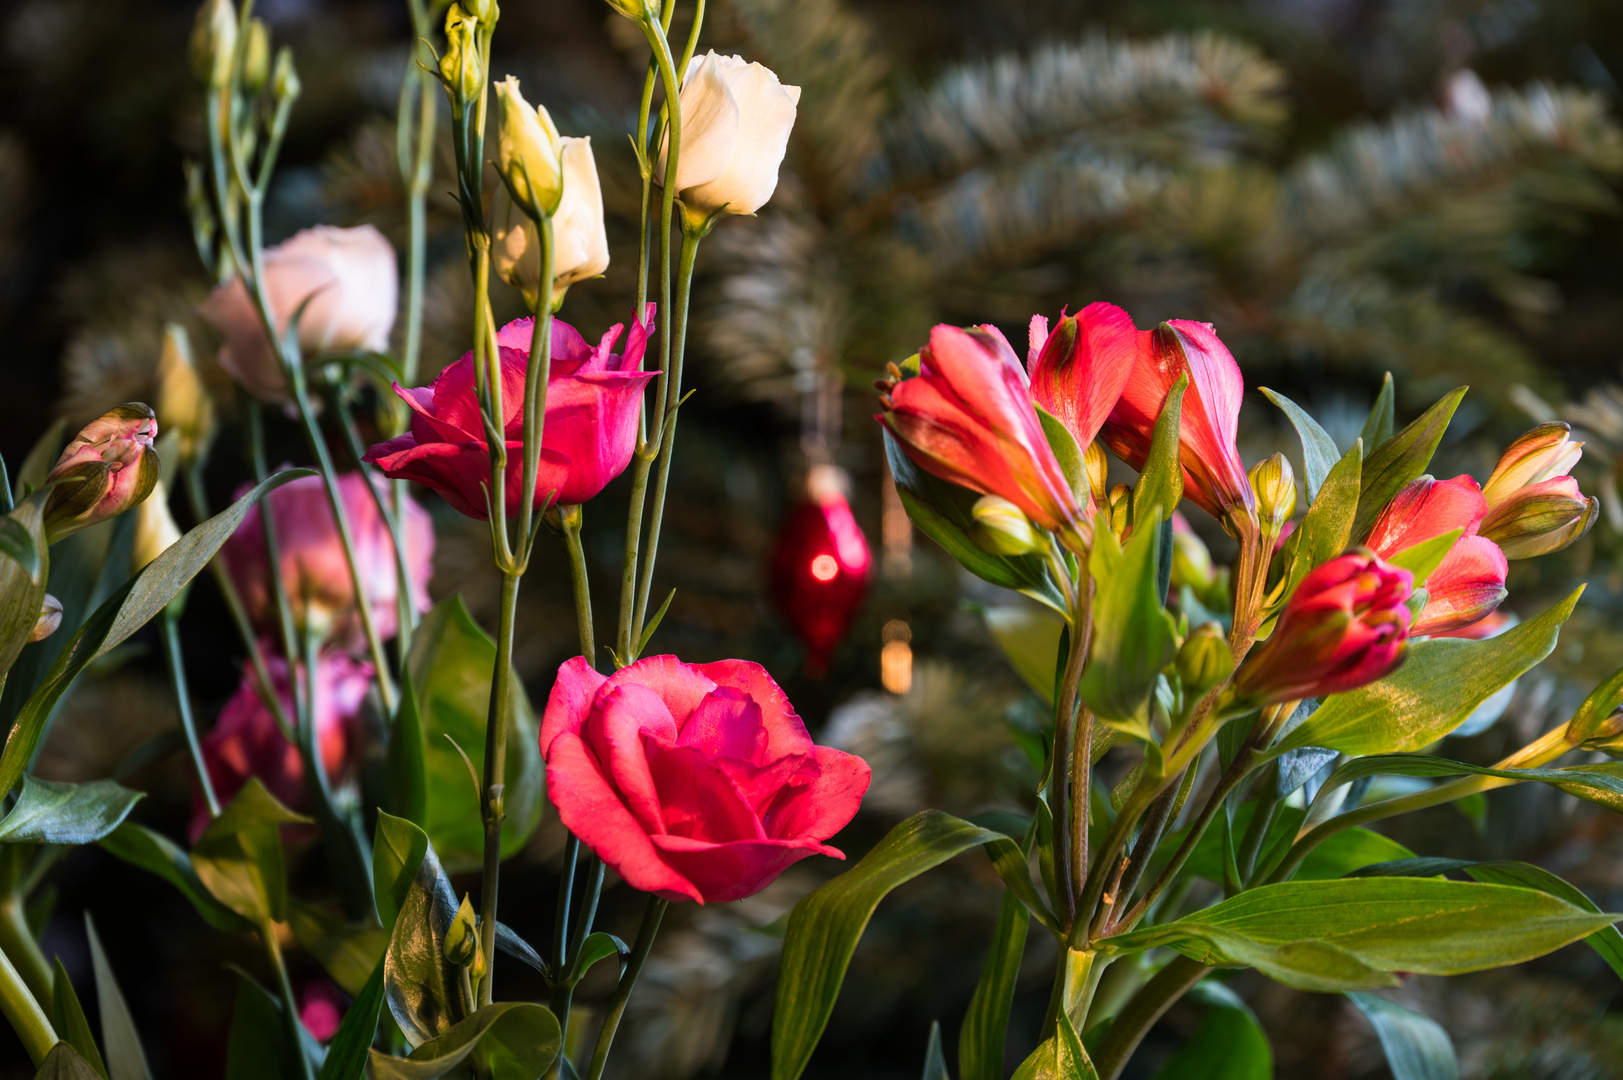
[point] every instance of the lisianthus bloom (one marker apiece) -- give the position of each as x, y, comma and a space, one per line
246, 742
968, 417
1534, 507
345, 279
1079, 368
590, 431
1470, 581
736, 118
1214, 477
315, 574
1346, 624
109, 467
692, 781
580, 246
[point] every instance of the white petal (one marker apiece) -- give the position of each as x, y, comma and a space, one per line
766, 116
710, 119
578, 233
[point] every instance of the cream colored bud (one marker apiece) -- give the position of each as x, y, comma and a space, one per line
462, 944
255, 57
285, 83
1120, 508
1002, 528
580, 244
214, 43
527, 152
155, 529
50, 617
459, 67
1097, 467
1274, 483
184, 405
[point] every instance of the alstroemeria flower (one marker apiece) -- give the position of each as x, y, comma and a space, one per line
1470, 581
593, 403
1079, 368
107, 468
692, 781
1345, 625
1214, 477
968, 417
1534, 507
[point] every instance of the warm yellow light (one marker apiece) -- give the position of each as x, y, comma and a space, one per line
825, 568
896, 667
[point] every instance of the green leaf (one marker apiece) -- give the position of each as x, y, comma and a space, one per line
1228, 1045
1596, 708
346, 951
942, 512
239, 856
510, 1040
257, 1043
1401, 459
1607, 941
420, 985
347, 1053
22, 580
1424, 557
1600, 783
66, 1063
1010, 861
1346, 934
68, 1017
125, 1058
1327, 526
18, 544
1134, 637
508, 941
1067, 453
1437, 688
935, 1062
825, 926
122, 614
1341, 854
986, 1025
405, 767
51, 813
1417, 1047
1059, 1057
1160, 484
41, 456
398, 849
157, 854
451, 664
597, 947
1029, 637
1319, 453
1382, 416
653, 623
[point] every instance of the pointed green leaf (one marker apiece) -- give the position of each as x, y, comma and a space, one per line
1424, 557
256, 1045
22, 579
239, 856
510, 1040
1401, 459
51, 813
1378, 428
1417, 1047
1030, 638
349, 1049
1228, 1045
598, 947
1596, 708
1607, 941
1066, 452
420, 986
1160, 484
398, 849
1319, 453
935, 1062
406, 775
125, 1058
1060, 1057
346, 951
1327, 527
653, 623
986, 1025
1134, 637
68, 1017
18, 544
1340, 854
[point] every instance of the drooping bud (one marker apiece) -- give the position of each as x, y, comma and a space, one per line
1274, 483
255, 57
527, 152
285, 82
462, 946
109, 467
1541, 518
155, 528
50, 617
184, 405
1120, 508
459, 67
1001, 527
214, 43
1204, 660
1098, 470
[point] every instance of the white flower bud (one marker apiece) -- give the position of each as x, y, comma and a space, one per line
527, 152
736, 118
580, 246
155, 528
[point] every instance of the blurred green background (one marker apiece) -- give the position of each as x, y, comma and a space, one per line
1344, 187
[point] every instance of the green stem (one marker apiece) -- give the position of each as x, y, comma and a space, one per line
405, 608
490, 801
1062, 781
23, 1011
561, 992
572, 520
19, 944
536, 375
1142, 1011
628, 979
183, 703
290, 1004
1262, 818
347, 851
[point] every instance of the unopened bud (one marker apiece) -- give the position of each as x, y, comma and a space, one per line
1204, 660
255, 57
1098, 470
285, 83
1542, 454
1275, 486
50, 617
1607, 736
184, 405
155, 528
485, 11
109, 467
527, 152
459, 67
1540, 518
462, 942
1120, 508
1003, 528
637, 10
214, 43
1191, 559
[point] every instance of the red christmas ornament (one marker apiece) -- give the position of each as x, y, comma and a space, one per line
820, 566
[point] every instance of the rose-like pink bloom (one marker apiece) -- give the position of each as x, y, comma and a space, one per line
593, 404
107, 468
245, 741
693, 781
968, 417
315, 574
348, 283
1215, 478
1345, 625
1470, 581
1534, 507
1078, 369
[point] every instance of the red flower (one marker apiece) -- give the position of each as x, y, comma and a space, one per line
692, 781
1470, 581
593, 404
968, 418
1346, 625
1214, 477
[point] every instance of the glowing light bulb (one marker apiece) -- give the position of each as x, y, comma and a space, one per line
825, 568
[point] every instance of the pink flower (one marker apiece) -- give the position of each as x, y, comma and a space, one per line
593, 405
968, 417
109, 467
1345, 625
1214, 477
345, 278
314, 572
692, 781
246, 742
1470, 581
